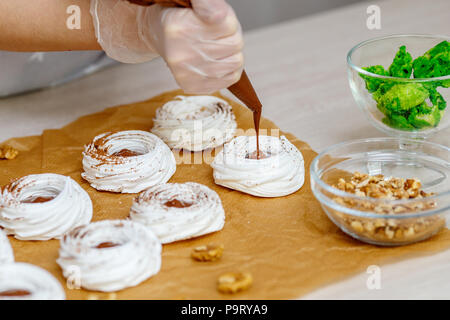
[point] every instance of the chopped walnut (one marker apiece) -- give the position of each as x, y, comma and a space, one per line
388, 230
8, 153
379, 187
209, 252
234, 282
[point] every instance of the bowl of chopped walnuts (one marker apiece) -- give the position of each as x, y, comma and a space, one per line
383, 194
402, 83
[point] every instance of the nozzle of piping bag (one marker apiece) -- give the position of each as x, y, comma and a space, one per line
244, 91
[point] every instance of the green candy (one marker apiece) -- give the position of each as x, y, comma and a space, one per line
403, 97
406, 104
402, 65
420, 119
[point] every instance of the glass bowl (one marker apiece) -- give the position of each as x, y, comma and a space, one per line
359, 216
397, 111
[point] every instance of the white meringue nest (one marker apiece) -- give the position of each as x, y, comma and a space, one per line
200, 212
105, 171
195, 123
69, 207
22, 281
110, 255
279, 174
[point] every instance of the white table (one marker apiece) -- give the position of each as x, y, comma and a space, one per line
299, 71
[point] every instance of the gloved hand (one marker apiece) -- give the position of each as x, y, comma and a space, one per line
201, 46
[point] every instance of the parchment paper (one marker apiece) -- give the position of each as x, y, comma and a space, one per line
288, 243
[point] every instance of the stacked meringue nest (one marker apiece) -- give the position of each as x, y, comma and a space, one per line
167, 3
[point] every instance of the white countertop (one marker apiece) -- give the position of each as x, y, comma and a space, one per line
299, 70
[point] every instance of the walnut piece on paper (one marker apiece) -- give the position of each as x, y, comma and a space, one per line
8, 153
210, 252
233, 282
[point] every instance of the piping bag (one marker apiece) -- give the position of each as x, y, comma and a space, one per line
243, 89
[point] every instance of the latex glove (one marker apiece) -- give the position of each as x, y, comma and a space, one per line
202, 47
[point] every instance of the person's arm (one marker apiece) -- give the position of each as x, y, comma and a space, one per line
40, 25
202, 46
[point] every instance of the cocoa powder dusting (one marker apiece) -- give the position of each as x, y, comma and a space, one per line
104, 245
38, 200
257, 120
125, 153
175, 203
257, 155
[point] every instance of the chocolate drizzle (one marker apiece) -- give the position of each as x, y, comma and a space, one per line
104, 245
257, 120
175, 203
15, 293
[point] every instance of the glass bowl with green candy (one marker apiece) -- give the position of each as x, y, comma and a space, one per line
402, 83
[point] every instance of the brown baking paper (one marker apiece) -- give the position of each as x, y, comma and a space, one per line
288, 244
